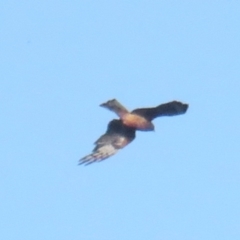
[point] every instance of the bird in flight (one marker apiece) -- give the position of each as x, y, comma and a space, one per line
120, 132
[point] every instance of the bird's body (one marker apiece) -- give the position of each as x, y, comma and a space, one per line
121, 132
138, 122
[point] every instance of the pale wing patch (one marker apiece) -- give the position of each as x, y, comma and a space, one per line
99, 154
116, 137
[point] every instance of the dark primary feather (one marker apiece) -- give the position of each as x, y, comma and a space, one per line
116, 137
166, 109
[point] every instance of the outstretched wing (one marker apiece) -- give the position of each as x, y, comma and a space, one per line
116, 137
166, 109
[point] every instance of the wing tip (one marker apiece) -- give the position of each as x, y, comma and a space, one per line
181, 107
96, 156
185, 107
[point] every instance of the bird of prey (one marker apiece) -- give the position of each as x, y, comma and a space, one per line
120, 132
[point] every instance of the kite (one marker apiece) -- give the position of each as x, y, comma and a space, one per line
120, 132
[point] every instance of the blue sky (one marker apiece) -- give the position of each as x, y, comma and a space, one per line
60, 60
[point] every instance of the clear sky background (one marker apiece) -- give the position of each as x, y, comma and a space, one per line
60, 60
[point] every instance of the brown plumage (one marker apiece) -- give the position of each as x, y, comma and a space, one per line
121, 132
